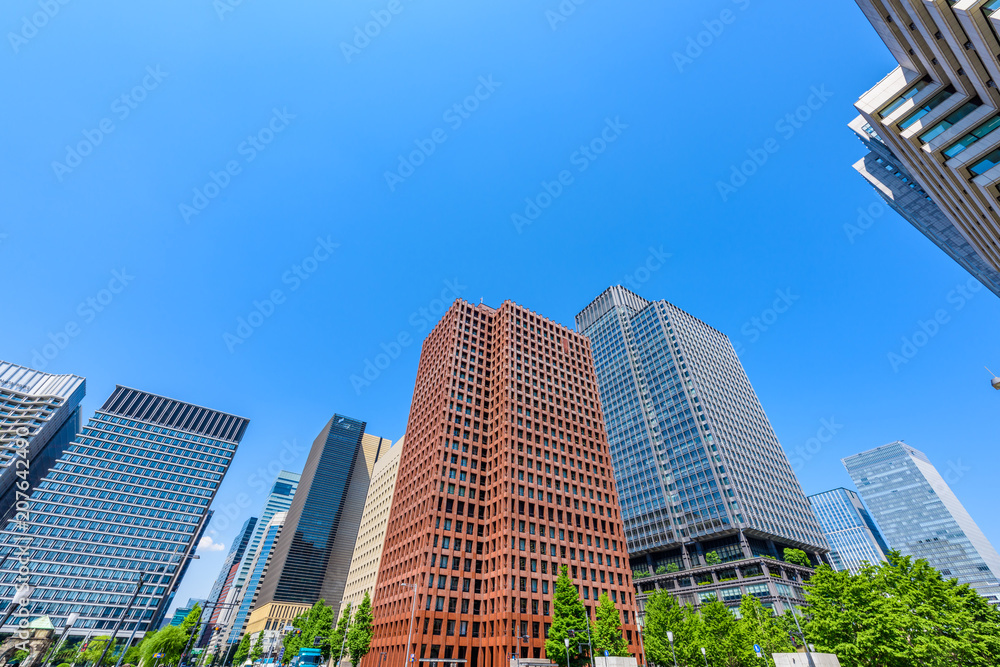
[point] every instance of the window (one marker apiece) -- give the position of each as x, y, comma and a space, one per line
987, 163
950, 120
927, 107
898, 102
972, 137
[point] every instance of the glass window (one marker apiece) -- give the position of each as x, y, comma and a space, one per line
974, 136
986, 163
951, 119
927, 107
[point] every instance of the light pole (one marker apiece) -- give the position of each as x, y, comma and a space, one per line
670, 636
704, 656
809, 655
70, 621
413, 609
566, 640
343, 642
640, 620
114, 633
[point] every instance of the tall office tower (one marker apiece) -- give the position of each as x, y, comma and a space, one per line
698, 466
938, 110
128, 498
258, 570
903, 194
363, 574
853, 536
42, 409
504, 479
227, 574
278, 500
921, 517
313, 555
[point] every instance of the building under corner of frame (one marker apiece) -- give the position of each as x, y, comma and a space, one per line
698, 466
129, 496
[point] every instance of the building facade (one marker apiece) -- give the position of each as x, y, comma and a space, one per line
227, 574
504, 479
41, 409
363, 574
903, 194
854, 538
920, 516
258, 570
938, 111
312, 557
279, 499
128, 497
698, 467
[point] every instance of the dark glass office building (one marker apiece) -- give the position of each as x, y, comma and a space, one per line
312, 557
129, 496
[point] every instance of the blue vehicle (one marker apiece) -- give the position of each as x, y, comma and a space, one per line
309, 657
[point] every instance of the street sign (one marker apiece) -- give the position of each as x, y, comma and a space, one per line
756, 648
606, 654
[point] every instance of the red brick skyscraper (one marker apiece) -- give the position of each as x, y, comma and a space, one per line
505, 477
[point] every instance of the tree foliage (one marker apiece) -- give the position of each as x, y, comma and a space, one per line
901, 613
337, 639
568, 613
359, 637
608, 629
796, 557
95, 647
170, 641
257, 648
307, 626
712, 558
242, 651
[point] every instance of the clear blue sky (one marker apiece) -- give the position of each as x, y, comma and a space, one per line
206, 84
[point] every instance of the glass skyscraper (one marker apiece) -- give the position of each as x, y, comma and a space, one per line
227, 574
278, 500
128, 497
920, 516
312, 558
258, 570
42, 409
854, 538
698, 467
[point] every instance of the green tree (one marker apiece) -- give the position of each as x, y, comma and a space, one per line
673, 567
19, 656
663, 615
170, 641
133, 655
242, 651
359, 637
608, 629
722, 636
568, 614
662, 569
796, 557
901, 613
257, 649
712, 558
339, 635
95, 647
308, 626
760, 626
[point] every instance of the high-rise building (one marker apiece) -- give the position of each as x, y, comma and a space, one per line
283, 614
128, 497
699, 468
41, 409
313, 555
853, 536
938, 111
505, 478
363, 574
903, 194
920, 516
231, 618
227, 574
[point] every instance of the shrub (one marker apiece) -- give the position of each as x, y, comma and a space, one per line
673, 567
661, 570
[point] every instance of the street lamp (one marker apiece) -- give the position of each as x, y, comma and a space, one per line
670, 637
640, 620
343, 642
566, 640
704, 656
413, 609
70, 621
809, 655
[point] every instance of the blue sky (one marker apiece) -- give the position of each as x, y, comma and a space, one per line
245, 170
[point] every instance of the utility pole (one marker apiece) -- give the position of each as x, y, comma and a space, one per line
118, 625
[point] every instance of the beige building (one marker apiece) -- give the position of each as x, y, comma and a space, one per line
939, 111
371, 535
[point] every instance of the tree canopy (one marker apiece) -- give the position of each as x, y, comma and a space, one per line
359, 637
608, 629
568, 613
317, 622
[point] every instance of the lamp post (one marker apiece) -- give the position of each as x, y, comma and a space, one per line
566, 640
670, 637
343, 642
413, 609
703, 655
70, 621
114, 633
640, 620
809, 655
